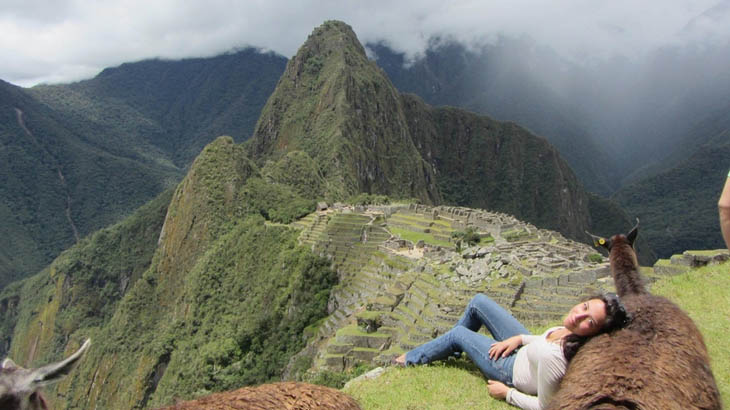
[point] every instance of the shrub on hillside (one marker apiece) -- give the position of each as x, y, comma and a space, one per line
274, 201
369, 199
468, 237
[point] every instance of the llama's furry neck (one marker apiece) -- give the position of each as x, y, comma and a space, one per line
625, 268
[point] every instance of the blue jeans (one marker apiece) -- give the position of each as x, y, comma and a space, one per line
464, 338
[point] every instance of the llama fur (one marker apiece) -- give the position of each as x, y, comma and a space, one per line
658, 361
284, 395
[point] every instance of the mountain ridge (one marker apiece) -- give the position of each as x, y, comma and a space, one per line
61, 183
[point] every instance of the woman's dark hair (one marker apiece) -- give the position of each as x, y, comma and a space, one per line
616, 317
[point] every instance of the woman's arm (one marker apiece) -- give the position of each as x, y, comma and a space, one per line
723, 206
522, 400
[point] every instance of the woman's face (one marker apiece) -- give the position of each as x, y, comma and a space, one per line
586, 318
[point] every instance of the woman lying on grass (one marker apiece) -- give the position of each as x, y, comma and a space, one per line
535, 371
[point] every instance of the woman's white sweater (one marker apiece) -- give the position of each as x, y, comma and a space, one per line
538, 369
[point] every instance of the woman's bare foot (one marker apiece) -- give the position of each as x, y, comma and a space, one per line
400, 360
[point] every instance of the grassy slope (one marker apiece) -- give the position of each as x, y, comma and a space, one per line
702, 293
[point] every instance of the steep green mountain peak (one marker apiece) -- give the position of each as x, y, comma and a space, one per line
202, 204
341, 109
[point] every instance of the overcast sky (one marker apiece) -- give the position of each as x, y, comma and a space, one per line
65, 40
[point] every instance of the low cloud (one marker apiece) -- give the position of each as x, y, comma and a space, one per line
52, 41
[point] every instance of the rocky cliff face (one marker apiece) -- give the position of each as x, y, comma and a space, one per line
482, 163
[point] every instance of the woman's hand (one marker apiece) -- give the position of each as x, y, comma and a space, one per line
498, 390
505, 347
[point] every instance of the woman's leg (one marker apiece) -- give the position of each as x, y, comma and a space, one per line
461, 339
482, 310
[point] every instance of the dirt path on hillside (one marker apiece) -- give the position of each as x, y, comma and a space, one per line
57, 165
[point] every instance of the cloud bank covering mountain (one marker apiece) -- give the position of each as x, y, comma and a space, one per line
69, 40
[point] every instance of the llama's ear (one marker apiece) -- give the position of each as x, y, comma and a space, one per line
631, 237
598, 241
9, 364
56, 371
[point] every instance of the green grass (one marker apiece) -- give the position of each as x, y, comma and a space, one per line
702, 293
417, 236
445, 385
705, 295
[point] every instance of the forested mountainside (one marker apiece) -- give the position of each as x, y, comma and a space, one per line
78, 157
64, 178
678, 207
184, 103
168, 304
503, 81
677, 197
337, 107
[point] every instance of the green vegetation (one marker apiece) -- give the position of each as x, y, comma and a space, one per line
467, 237
84, 284
51, 164
444, 385
419, 236
299, 172
595, 257
703, 294
329, 104
369, 199
275, 202
193, 322
513, 235
678, 207
228, 340
336, 380
119, 140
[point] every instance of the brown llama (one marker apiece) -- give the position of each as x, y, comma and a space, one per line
284, 396
19, 386
658, 361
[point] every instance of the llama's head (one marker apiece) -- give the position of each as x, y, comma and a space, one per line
618, 239
19, 386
